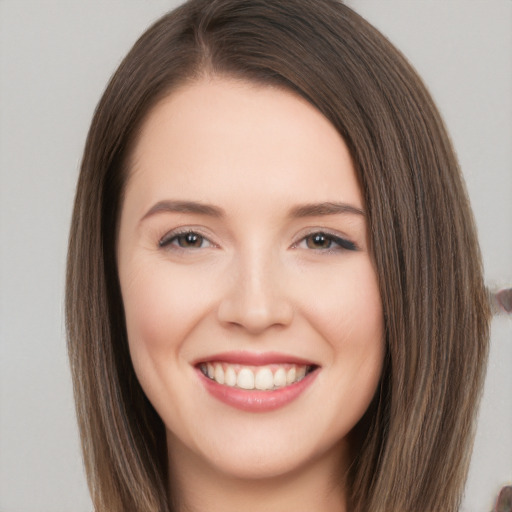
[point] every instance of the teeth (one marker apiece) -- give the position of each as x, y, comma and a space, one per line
263, 378
290, 375
245, 379
280, 378
230, 376
219, 374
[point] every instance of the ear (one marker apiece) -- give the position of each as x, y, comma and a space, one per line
501, 302
504, 502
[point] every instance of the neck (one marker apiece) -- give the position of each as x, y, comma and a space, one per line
197, 486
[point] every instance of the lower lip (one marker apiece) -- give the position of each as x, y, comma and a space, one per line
255, 400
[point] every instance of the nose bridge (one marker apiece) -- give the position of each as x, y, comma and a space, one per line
256, 297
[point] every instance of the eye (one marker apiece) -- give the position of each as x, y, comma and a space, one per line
322, 241
185, 240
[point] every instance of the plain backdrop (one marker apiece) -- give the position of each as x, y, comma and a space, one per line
55, 59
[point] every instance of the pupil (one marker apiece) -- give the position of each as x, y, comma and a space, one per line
320, 240
191, 240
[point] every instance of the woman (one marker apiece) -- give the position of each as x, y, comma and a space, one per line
275, 296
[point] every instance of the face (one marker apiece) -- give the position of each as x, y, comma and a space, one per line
252, 308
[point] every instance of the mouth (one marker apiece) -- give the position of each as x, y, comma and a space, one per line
256, 383
270, 377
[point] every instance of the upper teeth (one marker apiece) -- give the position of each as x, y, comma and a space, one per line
250, 377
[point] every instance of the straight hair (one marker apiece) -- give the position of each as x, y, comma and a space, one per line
416, 438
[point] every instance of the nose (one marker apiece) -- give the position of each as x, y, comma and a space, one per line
255, 296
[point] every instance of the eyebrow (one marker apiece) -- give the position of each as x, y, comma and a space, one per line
327, 208
184, 207
299, 211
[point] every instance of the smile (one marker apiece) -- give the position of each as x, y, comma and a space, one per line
256, 382
263, 378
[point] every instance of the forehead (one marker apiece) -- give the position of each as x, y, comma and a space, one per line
217, 135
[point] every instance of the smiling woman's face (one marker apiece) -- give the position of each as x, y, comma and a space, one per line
252, 307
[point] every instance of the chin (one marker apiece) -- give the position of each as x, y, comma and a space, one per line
257, 466
262, 451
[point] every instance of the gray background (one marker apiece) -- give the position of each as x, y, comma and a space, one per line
55, 59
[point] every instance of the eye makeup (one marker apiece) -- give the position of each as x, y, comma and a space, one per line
321, 241
324, 241
185, 239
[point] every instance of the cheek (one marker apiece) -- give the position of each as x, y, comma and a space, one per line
359, 325
361, 340
161, 308
348, 314
345, 304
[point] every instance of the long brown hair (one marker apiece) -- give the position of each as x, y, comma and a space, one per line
418, 435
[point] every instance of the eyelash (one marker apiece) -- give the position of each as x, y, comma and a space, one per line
168, 239
340, 243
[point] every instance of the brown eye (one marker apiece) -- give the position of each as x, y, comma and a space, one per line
192, 240
319, 241
188, 240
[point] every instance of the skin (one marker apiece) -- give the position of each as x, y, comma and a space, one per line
256, 282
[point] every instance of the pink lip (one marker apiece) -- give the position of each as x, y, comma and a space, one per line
254, 358
255, 400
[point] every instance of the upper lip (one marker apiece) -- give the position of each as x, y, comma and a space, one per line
243, 357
